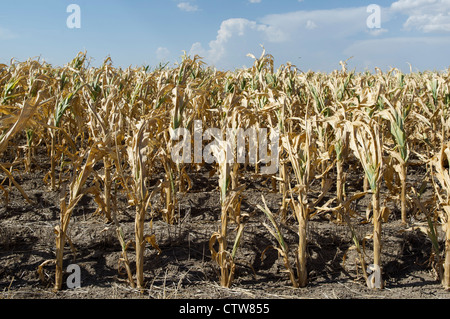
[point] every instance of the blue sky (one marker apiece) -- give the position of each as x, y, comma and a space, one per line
313, 35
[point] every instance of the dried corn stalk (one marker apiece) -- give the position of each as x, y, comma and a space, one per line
77, 190
230, 202
441, 164
396, 116
365, 142
299, 150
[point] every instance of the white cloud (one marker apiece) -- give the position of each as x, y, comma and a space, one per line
254, 1
310, 25
186, 6
319, 39
337, 22
162, 53
425, 15
429, 23
235, 36
377, 31
399, 52
417, 5
197, 48
309, 34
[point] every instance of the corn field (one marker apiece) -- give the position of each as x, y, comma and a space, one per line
357, 153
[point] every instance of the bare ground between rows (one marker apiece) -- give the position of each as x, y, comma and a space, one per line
183, 269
